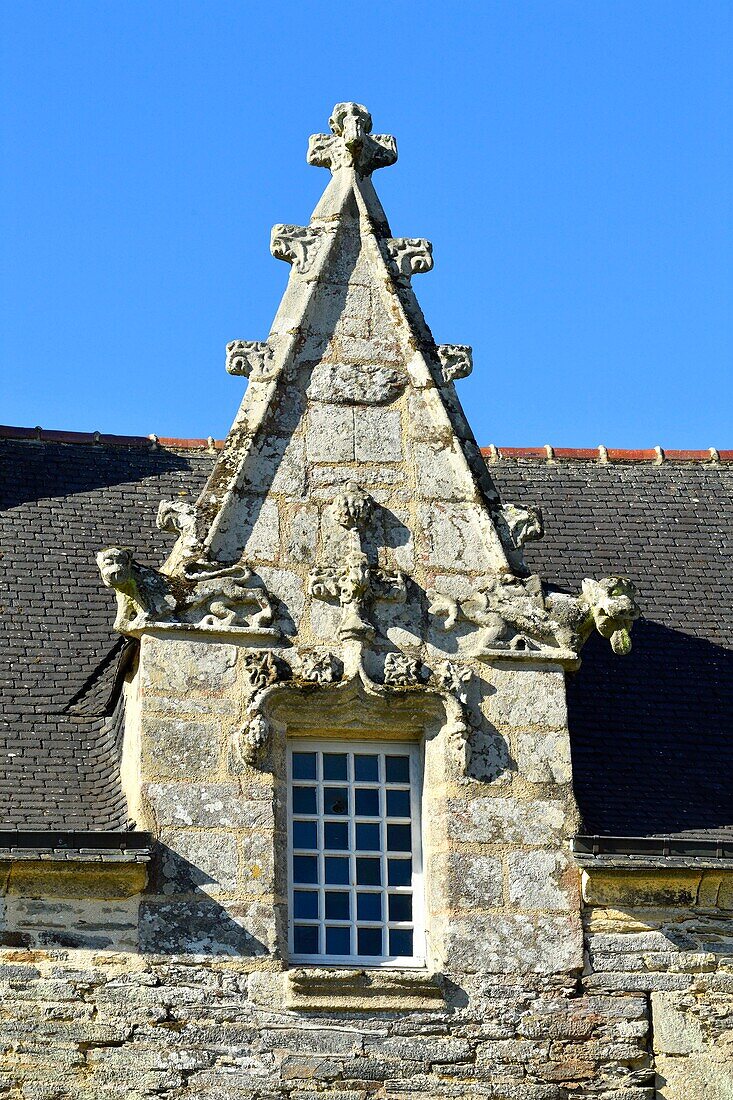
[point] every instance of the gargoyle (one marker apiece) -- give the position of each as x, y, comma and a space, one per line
206, 595
143, 594
513, 613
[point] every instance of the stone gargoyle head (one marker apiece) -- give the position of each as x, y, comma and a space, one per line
116, 568
612, 602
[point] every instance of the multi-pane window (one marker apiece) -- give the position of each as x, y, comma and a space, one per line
354, 853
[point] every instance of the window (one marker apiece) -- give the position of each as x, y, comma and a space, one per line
355, 887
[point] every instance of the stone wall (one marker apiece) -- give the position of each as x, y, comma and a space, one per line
668, 933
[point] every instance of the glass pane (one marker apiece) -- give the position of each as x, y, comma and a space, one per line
398, 803
305, 869
369, 941
368, 906
398, 769
334, 765
399, 838
335, 800
305, 939
304, 800
367, 802
367, 837
338, 905
368, 872
304, 765
305, 904
400, 906
338, 941
336, 835
400, 941
399, 872
305, 834
366, 768
337, 871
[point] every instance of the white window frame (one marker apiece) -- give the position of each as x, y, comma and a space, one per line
389, 747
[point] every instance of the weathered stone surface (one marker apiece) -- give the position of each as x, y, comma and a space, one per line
542, 880
506, 820
179, 749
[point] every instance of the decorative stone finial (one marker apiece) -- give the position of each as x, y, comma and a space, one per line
351, 143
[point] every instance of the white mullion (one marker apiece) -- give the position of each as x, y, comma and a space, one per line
351, 781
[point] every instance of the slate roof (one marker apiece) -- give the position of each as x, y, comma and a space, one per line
652, 733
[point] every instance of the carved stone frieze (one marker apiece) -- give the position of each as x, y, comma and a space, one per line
205, 596
351, 143
401, 670
456, 361
298, 245
409, 256
353, 581
514, 614
250, 359
355, 384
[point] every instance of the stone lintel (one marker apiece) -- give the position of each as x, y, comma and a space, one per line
336, 989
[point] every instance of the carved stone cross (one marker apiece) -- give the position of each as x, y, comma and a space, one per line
351, 143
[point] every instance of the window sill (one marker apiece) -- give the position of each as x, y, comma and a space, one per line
328, 989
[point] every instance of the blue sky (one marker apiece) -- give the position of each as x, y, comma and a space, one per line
571, 161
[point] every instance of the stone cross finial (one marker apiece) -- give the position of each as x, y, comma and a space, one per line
351, 143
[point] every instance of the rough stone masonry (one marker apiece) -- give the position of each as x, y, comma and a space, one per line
349, 574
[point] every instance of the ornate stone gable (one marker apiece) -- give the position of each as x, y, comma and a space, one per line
350, 394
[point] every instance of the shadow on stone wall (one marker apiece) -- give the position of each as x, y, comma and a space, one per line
179, 917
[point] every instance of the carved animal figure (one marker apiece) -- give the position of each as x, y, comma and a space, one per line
142, 594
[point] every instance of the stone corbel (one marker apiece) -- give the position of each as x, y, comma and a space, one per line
351, 143
298, 245
251, 359
409, 256
456, 361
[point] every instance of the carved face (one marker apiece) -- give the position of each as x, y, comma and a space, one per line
115, 565
354, 579
351, 121
351, 508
